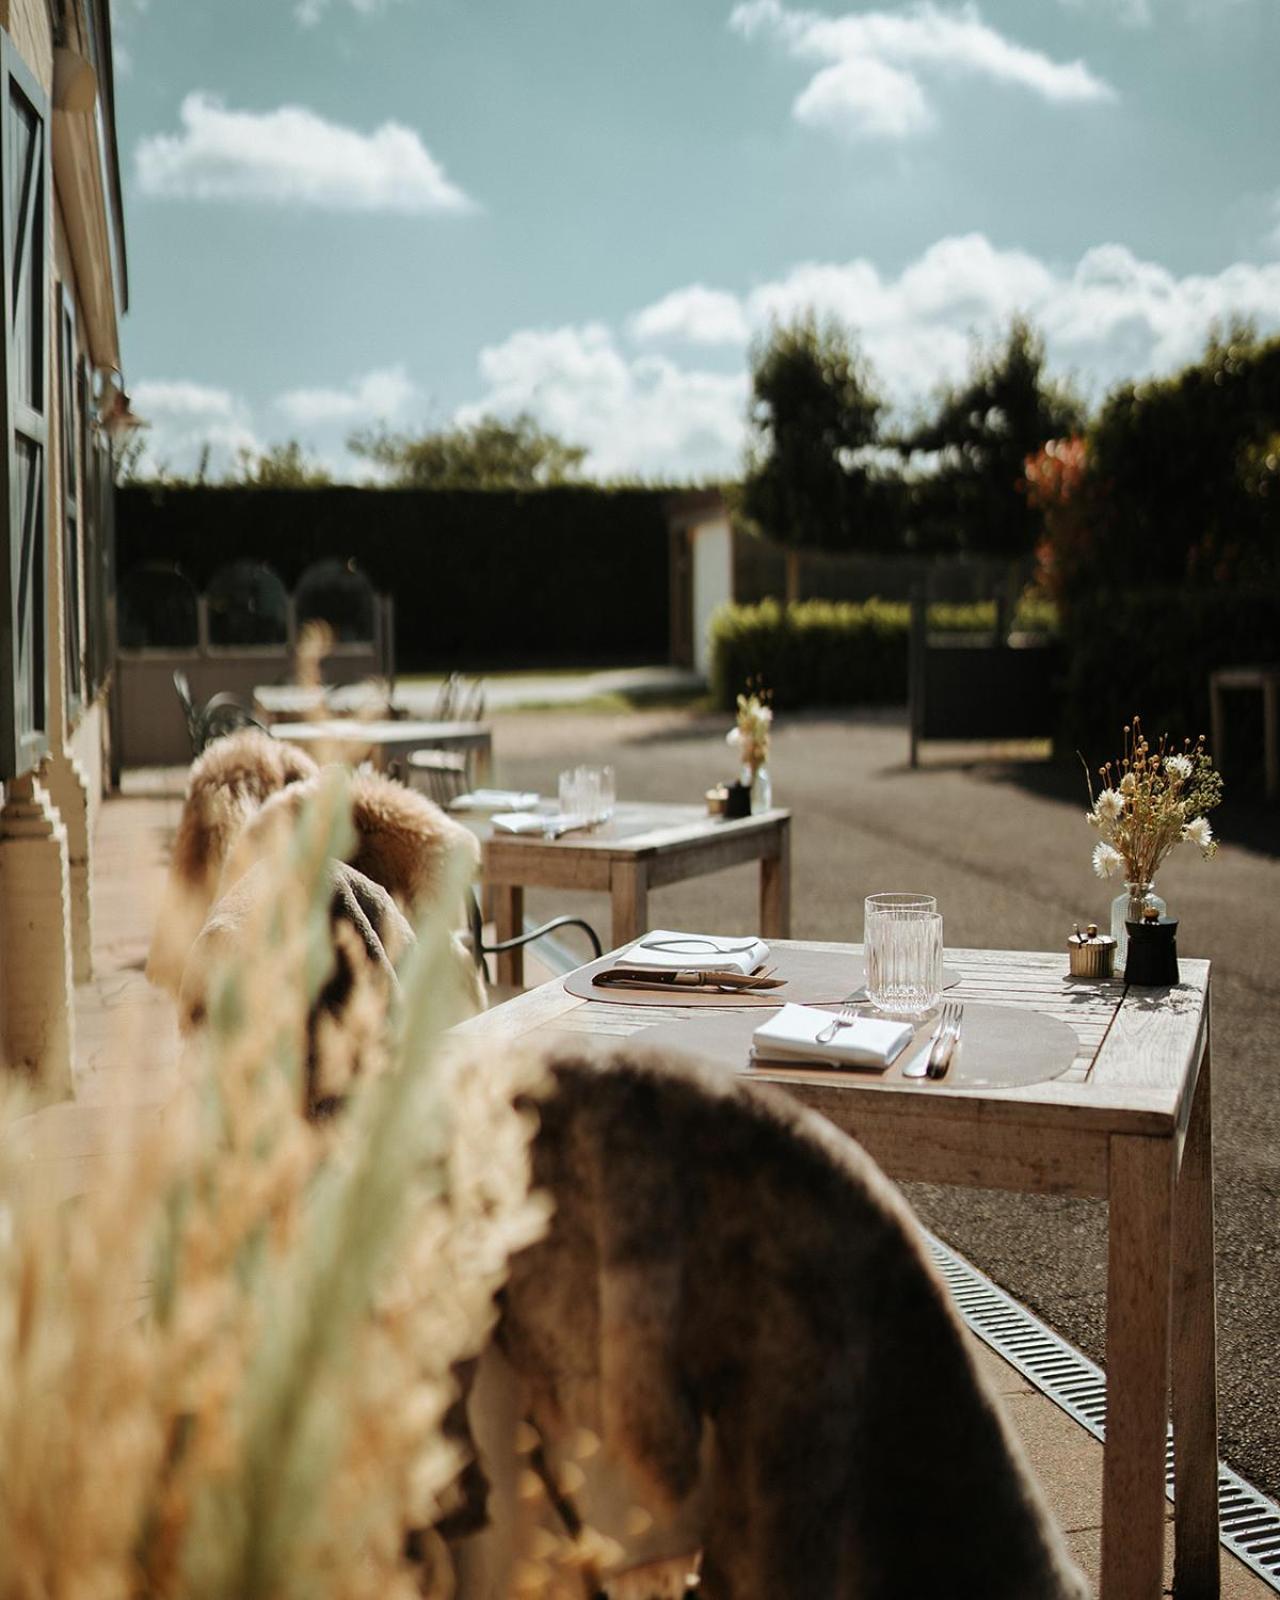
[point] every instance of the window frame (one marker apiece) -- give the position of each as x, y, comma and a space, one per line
24, 535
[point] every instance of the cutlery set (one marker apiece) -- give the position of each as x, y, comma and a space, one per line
933, 1060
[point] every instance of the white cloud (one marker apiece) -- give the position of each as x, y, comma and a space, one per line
309, 12
1109, 317
642, 415
873, 65
377, 396
293, 156
183, 419
696, 314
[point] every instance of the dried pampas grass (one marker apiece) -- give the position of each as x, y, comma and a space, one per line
225, 1371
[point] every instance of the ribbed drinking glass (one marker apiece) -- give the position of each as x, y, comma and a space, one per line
904, 958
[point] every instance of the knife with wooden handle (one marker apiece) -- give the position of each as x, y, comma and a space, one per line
686, 978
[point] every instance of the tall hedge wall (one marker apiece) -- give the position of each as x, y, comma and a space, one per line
481, 579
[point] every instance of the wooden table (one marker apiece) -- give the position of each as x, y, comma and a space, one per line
1130, 1121
643, 847
387, 742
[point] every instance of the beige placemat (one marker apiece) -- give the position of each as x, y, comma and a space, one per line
1002, 1047
812, 978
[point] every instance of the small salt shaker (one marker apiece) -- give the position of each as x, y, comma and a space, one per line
1092, 954
1152, 960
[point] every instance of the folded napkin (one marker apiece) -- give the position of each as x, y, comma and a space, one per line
515, 800
522, 822
665, 951
865, 1042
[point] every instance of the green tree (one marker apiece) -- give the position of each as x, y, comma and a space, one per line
810, 480
489, 453
280, 466
982, 432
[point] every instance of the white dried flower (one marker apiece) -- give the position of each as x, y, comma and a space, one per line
1128, 783
1179, 767
1106, 860
1108, 808
1199, 833
734, 736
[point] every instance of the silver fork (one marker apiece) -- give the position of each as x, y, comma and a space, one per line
849, 1012
941, 1054
921, 1063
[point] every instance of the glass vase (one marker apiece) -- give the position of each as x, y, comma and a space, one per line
761, 786
1128, 907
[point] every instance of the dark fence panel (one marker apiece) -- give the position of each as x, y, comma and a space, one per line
480, 579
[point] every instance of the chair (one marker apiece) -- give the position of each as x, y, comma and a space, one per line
442, 776
734, 1306
459, 700
224, 713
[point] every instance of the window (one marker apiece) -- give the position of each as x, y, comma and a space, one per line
338, 593
24, 351
72, 500
248, 606
158, 610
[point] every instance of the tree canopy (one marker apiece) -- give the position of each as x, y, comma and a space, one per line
814, 414
280, 466
981, 432
490, 453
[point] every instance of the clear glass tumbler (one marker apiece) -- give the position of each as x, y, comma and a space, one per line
904, 959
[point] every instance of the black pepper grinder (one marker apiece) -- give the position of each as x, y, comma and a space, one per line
1152, 961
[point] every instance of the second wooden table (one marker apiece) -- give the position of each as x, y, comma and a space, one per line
642, 847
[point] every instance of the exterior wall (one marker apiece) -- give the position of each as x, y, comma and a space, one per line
27, 22
47, 820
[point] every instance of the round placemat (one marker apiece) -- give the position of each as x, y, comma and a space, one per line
811, 978
1001, 1047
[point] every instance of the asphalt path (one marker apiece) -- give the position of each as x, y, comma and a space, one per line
1003, 844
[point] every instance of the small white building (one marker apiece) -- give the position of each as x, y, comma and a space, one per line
62, 256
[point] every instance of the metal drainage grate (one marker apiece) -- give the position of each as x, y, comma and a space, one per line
1249, 1522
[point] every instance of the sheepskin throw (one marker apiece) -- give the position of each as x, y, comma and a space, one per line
735, 1299
225, 787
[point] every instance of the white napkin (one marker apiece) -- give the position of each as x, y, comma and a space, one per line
865, 1042
522, 822
666, 951
494, 800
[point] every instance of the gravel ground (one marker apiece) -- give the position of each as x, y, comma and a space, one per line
1004, 846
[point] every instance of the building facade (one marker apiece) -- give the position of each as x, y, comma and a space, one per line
62, 257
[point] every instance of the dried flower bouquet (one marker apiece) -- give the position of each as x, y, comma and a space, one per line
1150, 801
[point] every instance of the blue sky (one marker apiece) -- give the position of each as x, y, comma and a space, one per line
348, 212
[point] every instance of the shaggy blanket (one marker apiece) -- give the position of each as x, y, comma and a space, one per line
226, 786
344, 1022
734, 1298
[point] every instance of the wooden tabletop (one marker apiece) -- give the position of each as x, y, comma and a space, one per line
378, 730
636, 829
1134, 1070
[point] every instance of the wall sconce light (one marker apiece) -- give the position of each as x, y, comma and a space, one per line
116, 415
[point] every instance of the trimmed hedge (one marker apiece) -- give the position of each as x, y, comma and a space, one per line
482, 579
829, 653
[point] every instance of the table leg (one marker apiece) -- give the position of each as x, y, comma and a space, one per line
508, 921
775, 888
484, 763
1196, 1572
1140, 1207
629, 887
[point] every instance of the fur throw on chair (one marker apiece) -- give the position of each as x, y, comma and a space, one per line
402, 839
737, 1302
226, 786
344, 1024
